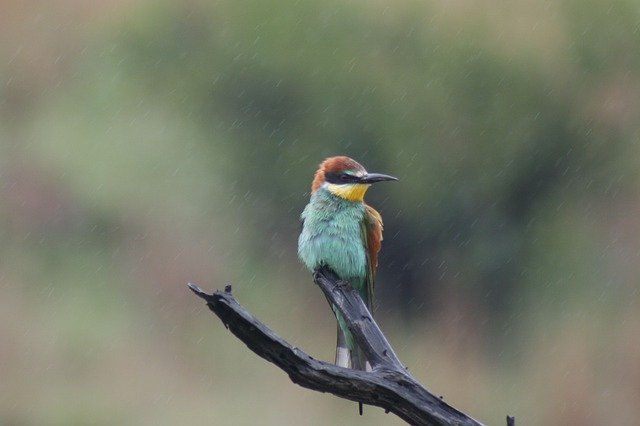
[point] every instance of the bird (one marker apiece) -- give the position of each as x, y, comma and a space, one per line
341, 232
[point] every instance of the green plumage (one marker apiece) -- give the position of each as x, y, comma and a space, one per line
332, 235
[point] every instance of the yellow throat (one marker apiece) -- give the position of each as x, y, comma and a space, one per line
351, 192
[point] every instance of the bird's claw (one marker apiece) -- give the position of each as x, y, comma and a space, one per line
342, 283
324, 272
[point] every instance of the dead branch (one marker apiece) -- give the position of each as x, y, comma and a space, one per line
388, 386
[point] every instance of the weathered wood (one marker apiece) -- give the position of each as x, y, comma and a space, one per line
361, 324
388, 386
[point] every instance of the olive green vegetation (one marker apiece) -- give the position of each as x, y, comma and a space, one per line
147, 144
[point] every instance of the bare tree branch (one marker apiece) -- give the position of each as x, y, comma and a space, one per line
389, 386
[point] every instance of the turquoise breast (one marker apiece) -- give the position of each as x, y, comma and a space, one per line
332, 235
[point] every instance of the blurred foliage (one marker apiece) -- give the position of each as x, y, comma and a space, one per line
146, 144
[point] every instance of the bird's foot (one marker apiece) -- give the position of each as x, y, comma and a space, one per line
342, 283
326, 273
323, 271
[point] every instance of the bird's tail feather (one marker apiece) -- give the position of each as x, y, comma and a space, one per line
349, 355
343, 353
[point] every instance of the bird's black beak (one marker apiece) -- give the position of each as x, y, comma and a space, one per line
375, 177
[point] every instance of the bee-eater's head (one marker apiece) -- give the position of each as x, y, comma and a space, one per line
346, 178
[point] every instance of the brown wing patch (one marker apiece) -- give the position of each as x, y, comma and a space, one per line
372, 229
374, 235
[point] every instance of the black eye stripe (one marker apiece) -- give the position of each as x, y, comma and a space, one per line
340, 178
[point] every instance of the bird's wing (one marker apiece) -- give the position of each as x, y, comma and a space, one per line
372, 238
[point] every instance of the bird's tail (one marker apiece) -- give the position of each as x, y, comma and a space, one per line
343, 353
348, 353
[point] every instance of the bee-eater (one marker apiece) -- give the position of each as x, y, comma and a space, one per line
343, 233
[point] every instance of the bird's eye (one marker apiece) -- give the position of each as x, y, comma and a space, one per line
344, 177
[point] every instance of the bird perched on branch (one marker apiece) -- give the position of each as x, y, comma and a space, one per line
343, 233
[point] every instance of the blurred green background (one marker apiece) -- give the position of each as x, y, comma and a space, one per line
145, 144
